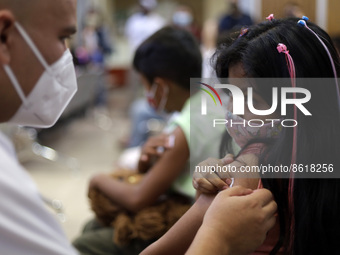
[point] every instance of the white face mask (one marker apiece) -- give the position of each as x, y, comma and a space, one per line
239, 129
182, 18
150, 95
51, 94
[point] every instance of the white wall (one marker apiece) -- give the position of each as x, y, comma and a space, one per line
322, 13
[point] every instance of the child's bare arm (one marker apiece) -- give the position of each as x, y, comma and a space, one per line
178, 239
155, 182
247, 179
153, 149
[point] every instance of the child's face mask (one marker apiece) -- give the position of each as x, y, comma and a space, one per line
150, 95
240, 130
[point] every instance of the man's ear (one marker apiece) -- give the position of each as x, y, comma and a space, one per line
6, 26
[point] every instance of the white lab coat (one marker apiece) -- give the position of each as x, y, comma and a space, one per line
26, 227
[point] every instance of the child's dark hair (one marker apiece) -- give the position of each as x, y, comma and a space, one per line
171, 53
316, 201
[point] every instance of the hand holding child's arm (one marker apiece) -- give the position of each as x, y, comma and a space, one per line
251, 214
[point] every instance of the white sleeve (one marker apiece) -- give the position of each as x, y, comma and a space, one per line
26, 226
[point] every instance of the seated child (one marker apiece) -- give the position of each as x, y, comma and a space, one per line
165, 62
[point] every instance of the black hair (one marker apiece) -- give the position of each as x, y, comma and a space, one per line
316, 201
171, 53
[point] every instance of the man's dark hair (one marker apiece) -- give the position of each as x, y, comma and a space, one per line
171, 53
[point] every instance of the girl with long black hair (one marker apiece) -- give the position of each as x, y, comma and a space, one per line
308, 209
308, 212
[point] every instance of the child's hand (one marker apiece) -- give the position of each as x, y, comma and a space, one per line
154, 147
210, 182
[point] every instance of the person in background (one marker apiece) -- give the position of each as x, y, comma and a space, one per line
235, 20
184, 18
208, 47
143, 23
90, 52
95, 41
292, 10
37, 82
139, 27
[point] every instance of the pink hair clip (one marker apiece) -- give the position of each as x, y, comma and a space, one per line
270, 17
243, 32
282, 48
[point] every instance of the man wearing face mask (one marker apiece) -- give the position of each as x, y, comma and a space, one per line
37, 82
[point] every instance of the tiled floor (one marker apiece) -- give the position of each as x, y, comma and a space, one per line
93, 141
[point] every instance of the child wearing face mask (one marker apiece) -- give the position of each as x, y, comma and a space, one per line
165, 62
308, 209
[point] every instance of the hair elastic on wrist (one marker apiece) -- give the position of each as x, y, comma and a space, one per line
303, 23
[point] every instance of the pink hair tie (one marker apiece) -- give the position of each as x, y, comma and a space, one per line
270, 17
282, 48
